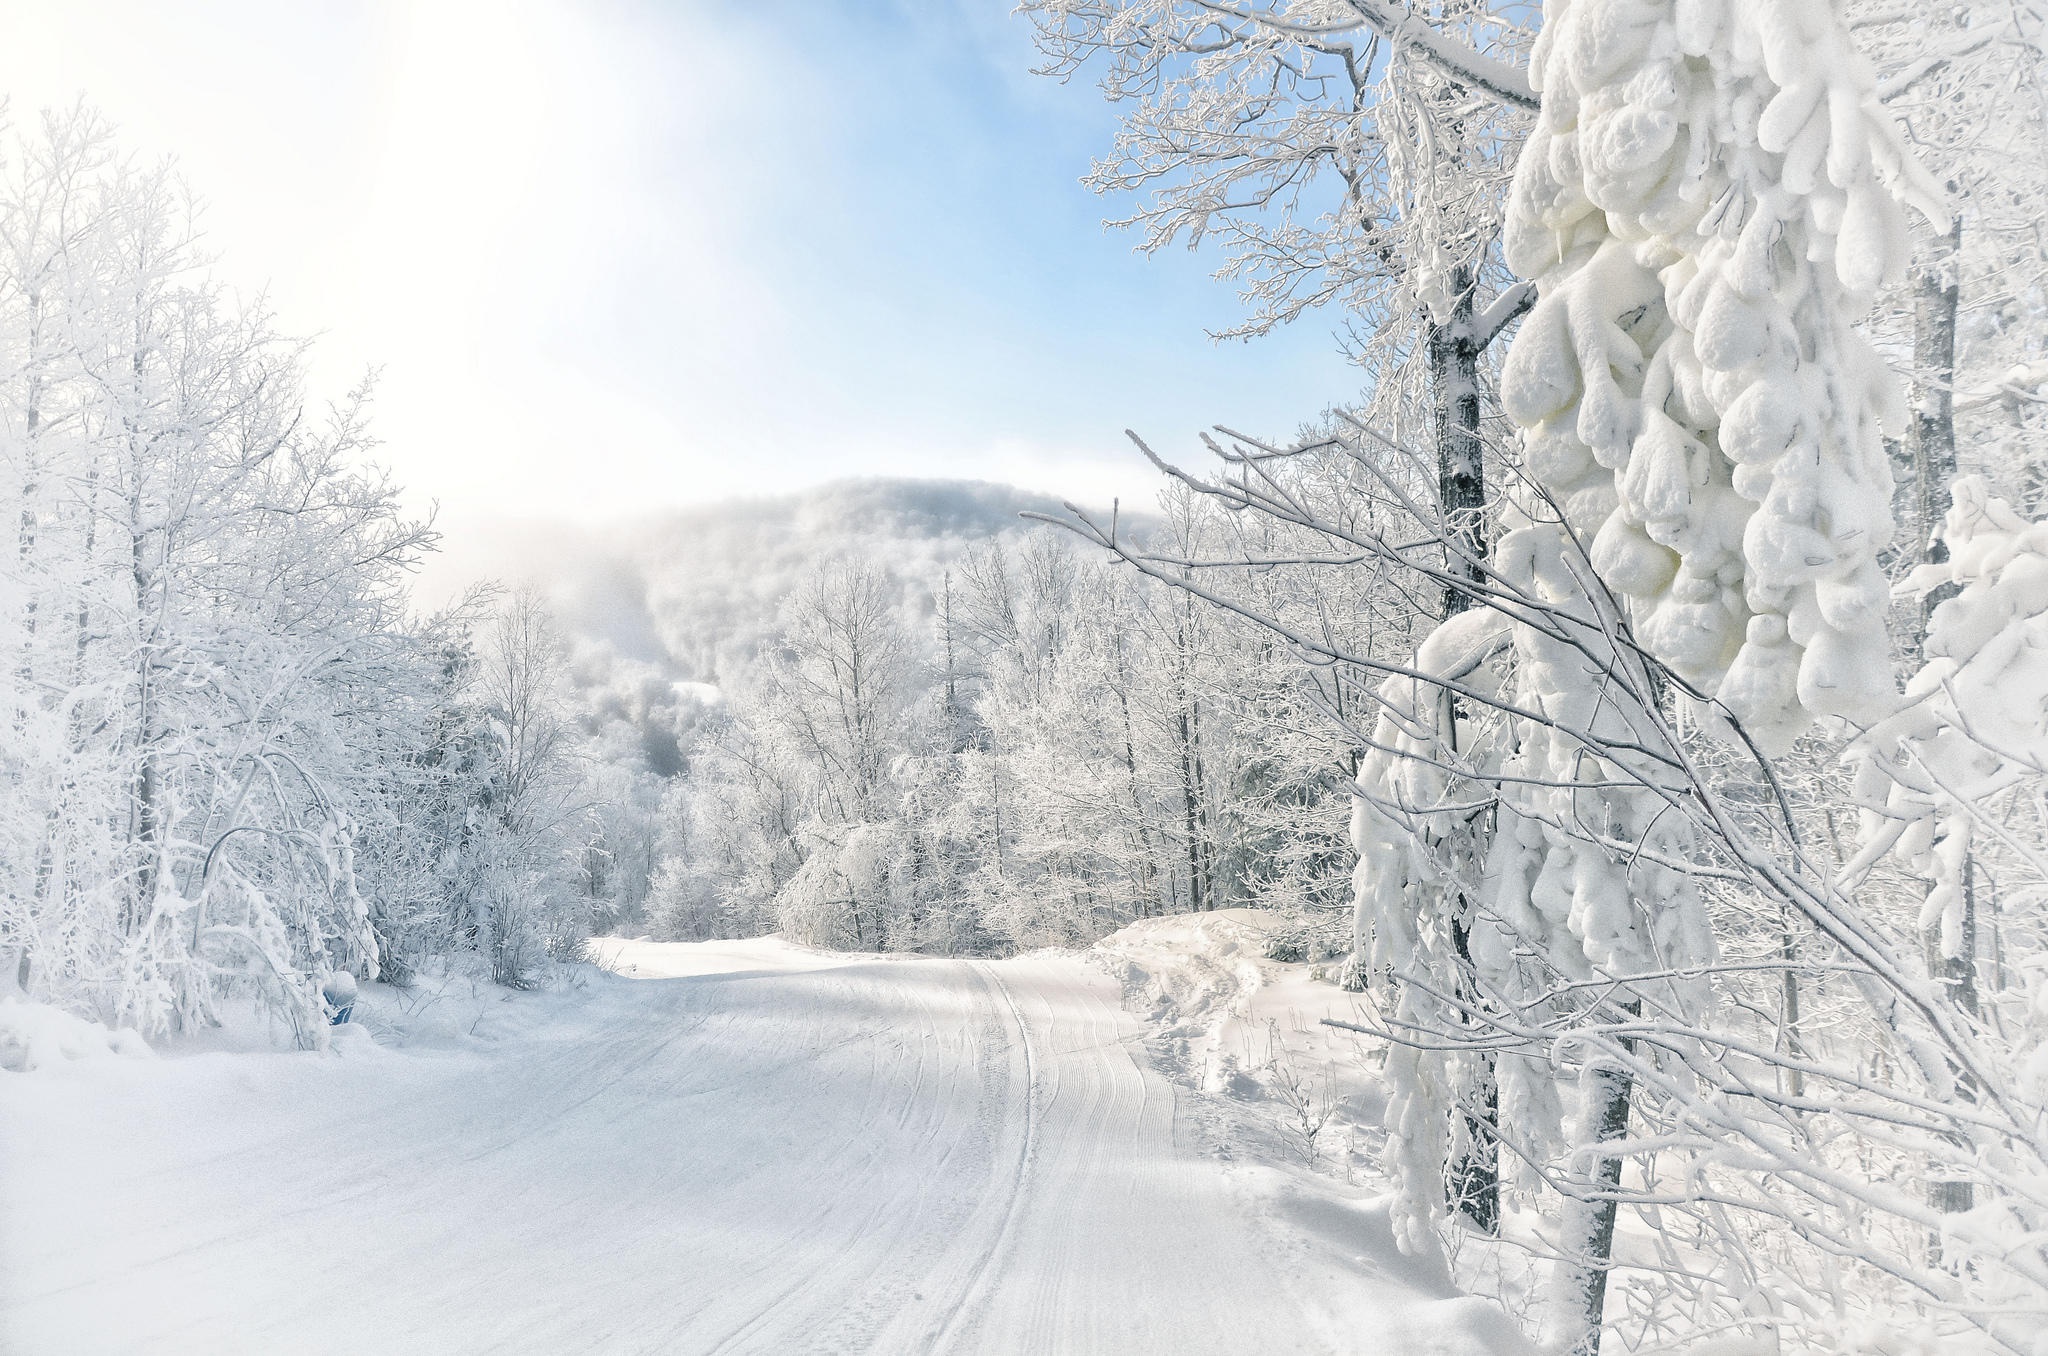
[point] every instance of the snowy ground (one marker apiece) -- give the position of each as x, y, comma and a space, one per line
731, 1147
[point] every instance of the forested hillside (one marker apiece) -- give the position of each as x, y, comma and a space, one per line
664, 618
695, 590
1035, 748
900, 715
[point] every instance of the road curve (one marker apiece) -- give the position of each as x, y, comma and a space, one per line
749, 1151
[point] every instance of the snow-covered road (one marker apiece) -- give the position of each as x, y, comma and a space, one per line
758, 1149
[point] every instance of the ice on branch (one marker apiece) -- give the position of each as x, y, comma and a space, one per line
1708, 203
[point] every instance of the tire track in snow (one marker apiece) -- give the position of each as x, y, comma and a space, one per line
842, 1290
1019, 1178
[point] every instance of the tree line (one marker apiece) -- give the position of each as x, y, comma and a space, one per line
237, 759
1037, 751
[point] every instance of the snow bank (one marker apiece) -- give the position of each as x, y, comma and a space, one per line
460, 1009
1198, 977
1231, 1021
38, 1036
1246, 1029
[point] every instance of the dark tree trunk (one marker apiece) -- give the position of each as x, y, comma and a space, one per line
1937, 293
1188, 811
1454, 349
1472, 1182
1473, 1178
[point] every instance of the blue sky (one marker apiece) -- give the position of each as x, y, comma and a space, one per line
616, 256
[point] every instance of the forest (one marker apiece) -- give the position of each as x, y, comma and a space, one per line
1633, 698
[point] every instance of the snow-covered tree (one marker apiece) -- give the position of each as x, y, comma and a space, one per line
1347, 153
1599, 926
208, 582
523, 905
1964, 81
1708, 204
1344, 153
237, 760
1951, 782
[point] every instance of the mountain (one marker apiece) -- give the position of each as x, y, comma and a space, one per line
712, 578
659, 607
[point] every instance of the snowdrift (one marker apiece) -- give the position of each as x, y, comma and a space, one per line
38, 1036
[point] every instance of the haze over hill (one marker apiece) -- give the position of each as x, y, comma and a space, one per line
661, 610
693, 591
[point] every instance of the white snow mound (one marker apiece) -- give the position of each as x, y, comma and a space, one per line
38, 1036
1191, 964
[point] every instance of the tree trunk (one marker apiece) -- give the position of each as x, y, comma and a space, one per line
1587, 1223
146, 828
1187, 717
1473, 1179
1937, 292
1187, 803
1148, 902
25, 545
1207, 853
1461, 469
1790, 1039
1949, 1190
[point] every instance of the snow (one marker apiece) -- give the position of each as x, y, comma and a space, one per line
1707, 205
730, 1146
1970, 729
38, 1036
1204, 980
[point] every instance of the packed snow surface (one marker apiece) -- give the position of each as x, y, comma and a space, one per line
728, 1147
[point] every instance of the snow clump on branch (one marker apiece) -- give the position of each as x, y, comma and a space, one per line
1710, 199
1970, 729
